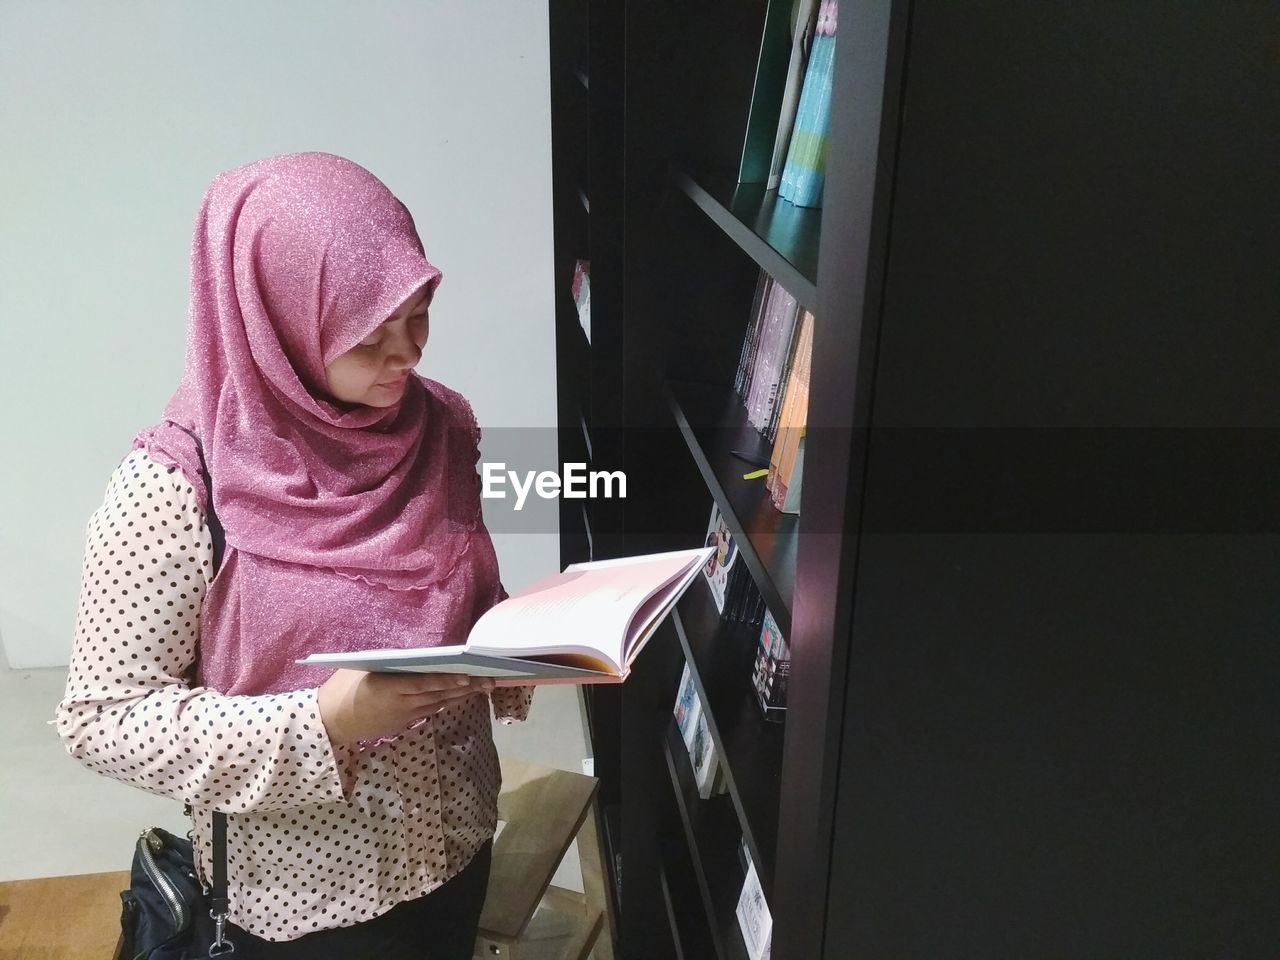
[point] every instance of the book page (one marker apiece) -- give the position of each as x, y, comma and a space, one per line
589, 606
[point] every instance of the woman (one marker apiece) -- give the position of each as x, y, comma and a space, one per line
362, 807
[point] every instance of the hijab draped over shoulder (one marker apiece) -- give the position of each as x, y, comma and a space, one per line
347, 526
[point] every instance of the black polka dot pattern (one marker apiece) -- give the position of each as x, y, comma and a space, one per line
319, 836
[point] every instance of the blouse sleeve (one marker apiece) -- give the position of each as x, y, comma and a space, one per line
510, 703
129, 710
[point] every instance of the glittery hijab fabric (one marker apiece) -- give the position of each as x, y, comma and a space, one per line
346, 525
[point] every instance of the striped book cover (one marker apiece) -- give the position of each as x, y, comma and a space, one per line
802, 177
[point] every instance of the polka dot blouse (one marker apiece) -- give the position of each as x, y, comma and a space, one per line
319, 835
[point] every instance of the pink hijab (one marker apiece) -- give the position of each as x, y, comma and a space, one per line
347, 526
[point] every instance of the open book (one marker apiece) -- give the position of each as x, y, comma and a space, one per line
585, 625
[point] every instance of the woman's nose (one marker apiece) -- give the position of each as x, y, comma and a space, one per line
405, 352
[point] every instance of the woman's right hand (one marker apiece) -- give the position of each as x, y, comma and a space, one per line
359, 705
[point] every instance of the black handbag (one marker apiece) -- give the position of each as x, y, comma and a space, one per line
165, 913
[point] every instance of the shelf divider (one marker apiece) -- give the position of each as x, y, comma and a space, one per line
780, 237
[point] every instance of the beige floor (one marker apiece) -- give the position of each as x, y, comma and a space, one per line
56, 818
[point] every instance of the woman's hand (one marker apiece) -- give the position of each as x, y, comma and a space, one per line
359, 705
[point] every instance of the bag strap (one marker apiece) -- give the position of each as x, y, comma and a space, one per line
219, 903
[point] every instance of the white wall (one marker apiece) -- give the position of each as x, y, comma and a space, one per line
114, 117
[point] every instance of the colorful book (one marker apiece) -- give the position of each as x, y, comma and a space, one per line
804, 173
802, 30
795, 411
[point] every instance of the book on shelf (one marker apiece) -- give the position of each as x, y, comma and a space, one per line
793, 416
746, 360
703, 755
691, 721
732, 588
802, 29
794, 484
768, 348
785, 374
585, 625
582, 294
772, 668
686, 706
774, 370
777, 325
804, 172
754, 919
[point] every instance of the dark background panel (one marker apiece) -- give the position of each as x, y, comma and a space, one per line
1061, 746
1063, 742
1086, 216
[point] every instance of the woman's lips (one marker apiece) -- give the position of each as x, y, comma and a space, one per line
399, 381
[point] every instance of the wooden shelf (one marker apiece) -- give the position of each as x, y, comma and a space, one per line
720, 656
780, 237
711, 831
714, 423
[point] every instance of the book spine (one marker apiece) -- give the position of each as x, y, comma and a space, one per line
793, 342
794, 485
789, 440
789, 417
743, 380
775, 359
760, 328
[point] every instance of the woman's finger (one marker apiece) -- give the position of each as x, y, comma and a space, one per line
417, 683
413, 700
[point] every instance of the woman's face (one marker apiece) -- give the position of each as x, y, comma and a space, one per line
374, 372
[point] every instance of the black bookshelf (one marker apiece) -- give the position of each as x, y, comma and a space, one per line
1039, 743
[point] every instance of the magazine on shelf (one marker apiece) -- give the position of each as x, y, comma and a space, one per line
585, 625
702, 754
754, 919
687, 707
721, 562
772, 668
732, 587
